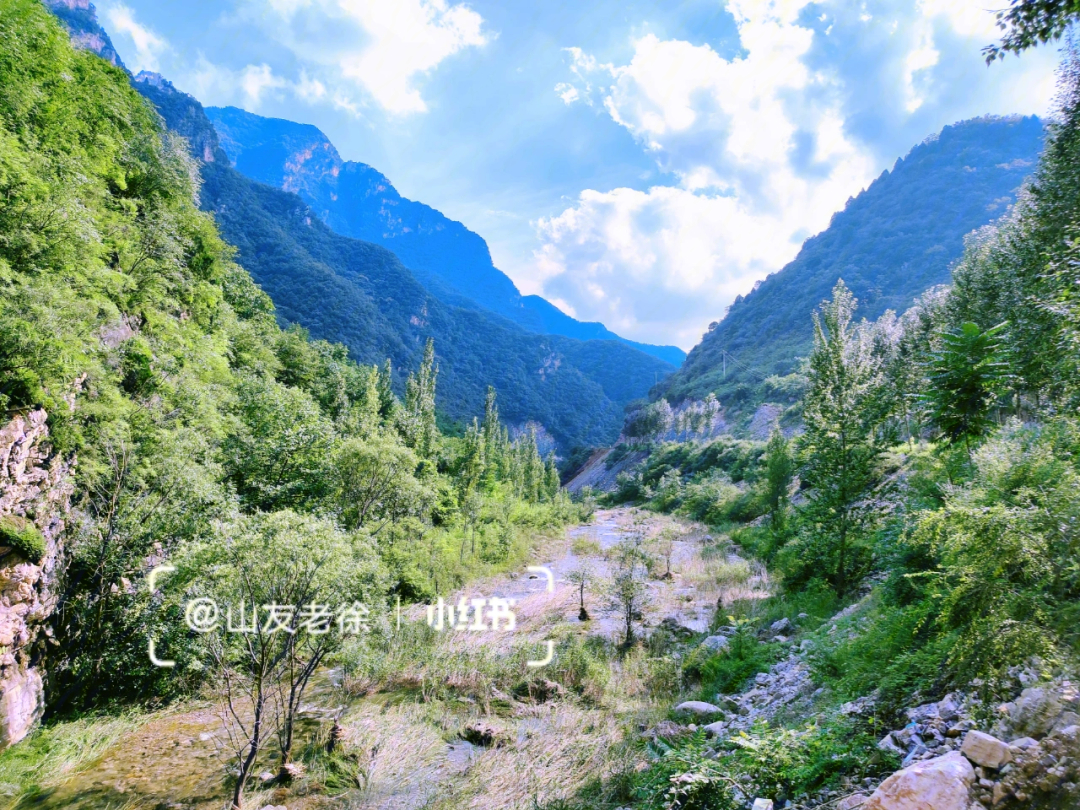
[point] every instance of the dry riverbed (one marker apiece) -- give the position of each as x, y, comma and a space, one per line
408, 745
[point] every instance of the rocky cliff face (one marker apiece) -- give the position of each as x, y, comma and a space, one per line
35, 485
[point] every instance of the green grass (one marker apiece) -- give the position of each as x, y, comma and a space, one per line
55, 752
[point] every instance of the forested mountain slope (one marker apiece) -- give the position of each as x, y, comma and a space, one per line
361, 295
356, 200
890, 243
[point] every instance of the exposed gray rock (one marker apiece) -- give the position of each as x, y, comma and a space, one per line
715, 643
781, 626
33, 485
697, 707
942, 783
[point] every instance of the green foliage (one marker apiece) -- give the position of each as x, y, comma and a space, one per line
890, 244
779, 472
726, 672
773, 762
967, 374
1028, 23
839, 449
202, 427
23, 537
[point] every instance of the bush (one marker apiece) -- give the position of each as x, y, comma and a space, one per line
23, 536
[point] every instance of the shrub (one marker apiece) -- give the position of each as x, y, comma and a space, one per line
20, 534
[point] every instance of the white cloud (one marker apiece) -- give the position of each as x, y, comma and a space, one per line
148, 46
762, 148
379, 47
215, 84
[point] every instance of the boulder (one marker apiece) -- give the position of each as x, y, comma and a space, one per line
697, 707
1022, 744
715, 643
1034, 713
762, 804
982, 749
780, 626
889, 746
717, 729
942, 783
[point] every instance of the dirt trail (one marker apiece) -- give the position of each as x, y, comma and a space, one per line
173, 761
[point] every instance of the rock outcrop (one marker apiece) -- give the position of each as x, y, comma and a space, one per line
35, 486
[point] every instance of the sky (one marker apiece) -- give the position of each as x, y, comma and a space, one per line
637, 163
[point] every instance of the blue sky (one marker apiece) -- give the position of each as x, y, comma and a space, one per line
638, 163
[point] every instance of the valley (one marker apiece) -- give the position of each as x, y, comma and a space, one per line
286, 462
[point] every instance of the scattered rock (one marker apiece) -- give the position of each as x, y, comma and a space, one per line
888, 745
697, 707
942, 783
672, 625
982, 749
716, 729
666, 730
762, 804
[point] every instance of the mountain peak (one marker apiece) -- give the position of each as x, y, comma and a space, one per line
357, 200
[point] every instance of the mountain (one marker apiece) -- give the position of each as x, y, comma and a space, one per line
358, 293
356, 200
890, 243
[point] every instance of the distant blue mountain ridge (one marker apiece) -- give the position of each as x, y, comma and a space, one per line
355, 200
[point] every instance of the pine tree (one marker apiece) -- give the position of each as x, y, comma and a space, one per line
840, 447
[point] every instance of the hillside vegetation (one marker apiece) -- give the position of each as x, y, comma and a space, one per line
890, 244
204, 431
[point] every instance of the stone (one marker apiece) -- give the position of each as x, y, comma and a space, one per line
852, 801
888, 745
717, 729
780, 626
942, 783
1065, 720
1034, 713
698, 707
1001, 793
948, 708
762, 804
982, 749
21, 705
715, 643
481, 734
1022, 744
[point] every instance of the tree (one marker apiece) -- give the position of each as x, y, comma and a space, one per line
418, 417
375, 482
581, 577
1031, 22
967, 374
839, 448
552, 481
264, 575
276, 457
627, 593
779, 472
